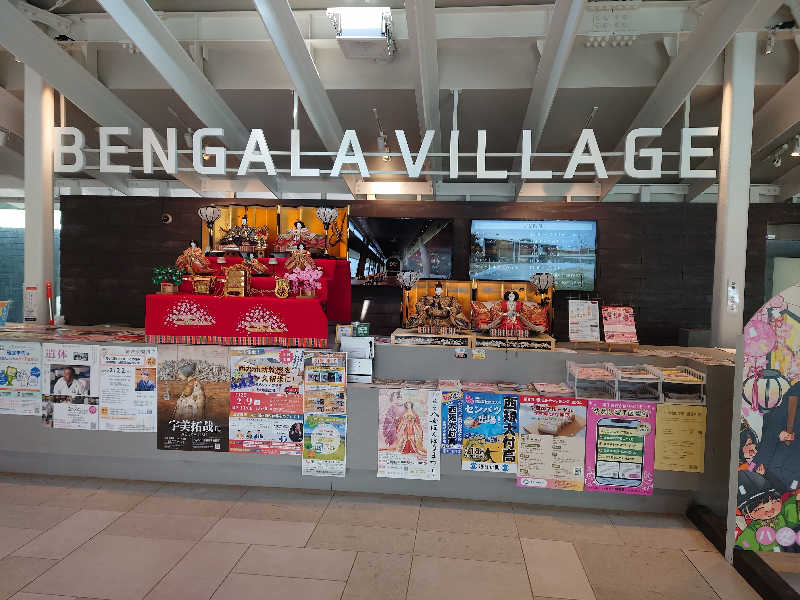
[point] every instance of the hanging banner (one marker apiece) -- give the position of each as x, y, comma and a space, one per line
490, 427
452, 426
193, 397
324, 445
619, 325
681, 439
584, 321
552, 442
128, 395
20, 378
325, 383
409, 433
620, 446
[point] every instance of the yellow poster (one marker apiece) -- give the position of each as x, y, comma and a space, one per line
680, 438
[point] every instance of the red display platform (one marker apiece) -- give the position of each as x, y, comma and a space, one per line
251, 321
336, 292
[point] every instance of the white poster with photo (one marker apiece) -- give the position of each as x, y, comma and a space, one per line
20, 378
128, 389
584, 321
70, 370
73, 412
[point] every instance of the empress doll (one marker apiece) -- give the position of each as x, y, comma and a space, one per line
511, 314
298, 236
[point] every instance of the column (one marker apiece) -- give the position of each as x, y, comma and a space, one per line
39, 115
736, 129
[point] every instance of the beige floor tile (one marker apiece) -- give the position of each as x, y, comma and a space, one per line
570, 525
466, 580
383, 576
200, 492
265, 587
132, 486
467, 517
172, 503
29, 596
471, 546
309, 563
112, 567
785, 562
362, 539
628, 572
400, 512
167, 527
260, 531
67, 497
18, 571
33, 517
555, 570
114, 500
73, 531
662, 531
278, 504
199, 573
13, 538
721, 575
22, 493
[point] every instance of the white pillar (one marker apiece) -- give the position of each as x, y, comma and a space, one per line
39, 115
736, 140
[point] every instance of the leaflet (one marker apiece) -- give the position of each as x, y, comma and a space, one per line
409, 433
70, 412
452, 425
128, 394
325, 383
70, 370
619, 325
584, 321
324, 445
681, 441
20, 378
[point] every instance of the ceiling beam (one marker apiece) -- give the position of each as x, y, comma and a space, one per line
32, 46
719, 23
789, 184
148, 32
13, 163
282, 27
421, 17
564, 24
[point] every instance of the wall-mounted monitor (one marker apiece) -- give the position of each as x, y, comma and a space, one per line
515, 250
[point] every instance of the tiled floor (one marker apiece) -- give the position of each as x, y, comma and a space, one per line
64, 538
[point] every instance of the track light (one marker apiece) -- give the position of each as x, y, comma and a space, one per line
796, 150
769, 47
206, 156
187, 137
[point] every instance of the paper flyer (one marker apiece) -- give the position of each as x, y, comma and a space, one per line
452, 421
620, 446
266, 402
619, 325
70, 370
681, 440
552, 442
409, 433
325, 383
194, 385
128, 395
324, 445
490, 426
584, 321
20, 378
70, 412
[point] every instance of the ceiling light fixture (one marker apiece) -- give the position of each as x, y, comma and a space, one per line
769, 47
796, 150
778, 154
383, 141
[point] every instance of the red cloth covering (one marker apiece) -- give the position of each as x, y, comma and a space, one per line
252, 321
336, 292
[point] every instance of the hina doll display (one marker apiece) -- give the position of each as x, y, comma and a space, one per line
298, 236
193, 261
439, 311
510, 317
299, 259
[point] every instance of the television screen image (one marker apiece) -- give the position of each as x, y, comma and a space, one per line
515, 250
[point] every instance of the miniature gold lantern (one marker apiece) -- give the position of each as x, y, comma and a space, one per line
237, 282
281, 287
202, 285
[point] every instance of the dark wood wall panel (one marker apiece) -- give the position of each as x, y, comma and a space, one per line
657, 257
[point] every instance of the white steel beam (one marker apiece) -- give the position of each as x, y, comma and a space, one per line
789, 184
31, 45
165, 53
421, 16
395, 188
13, 163
717, 26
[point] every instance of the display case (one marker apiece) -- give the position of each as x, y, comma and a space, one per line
592, 380
683, 385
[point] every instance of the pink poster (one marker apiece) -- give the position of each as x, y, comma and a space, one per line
619, 324
620, 447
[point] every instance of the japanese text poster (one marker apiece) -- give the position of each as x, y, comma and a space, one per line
490, 425
552, 442
584, 321
325, 383
266, 402
71, 388
20, 378
70, 412
409, 422
619, 324
451, 421
193, 397
128, 388
681, 440
324, 445
620, 446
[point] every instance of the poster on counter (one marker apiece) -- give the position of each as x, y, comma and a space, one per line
620, 446
767, 515
20, 378
584, 321
70, 370
681, 439
70, 412
128, 396
619, 325
266, 402
409, 424
490, 428
325, 383
552, 442
324, 445
194, 384
452, 425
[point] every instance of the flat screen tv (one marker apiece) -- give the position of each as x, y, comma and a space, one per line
515, 250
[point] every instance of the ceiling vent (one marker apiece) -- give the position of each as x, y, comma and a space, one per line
364, 32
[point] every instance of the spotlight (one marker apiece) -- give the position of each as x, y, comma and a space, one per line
383, 147
16, 58
769, 47
796, 150
777, 161
206, 156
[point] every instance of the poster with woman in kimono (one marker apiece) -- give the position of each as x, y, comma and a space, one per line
767, 515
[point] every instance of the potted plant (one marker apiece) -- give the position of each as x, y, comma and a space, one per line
168, 279
305, 281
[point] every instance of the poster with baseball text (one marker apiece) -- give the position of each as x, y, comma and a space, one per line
490, 427
20, 378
